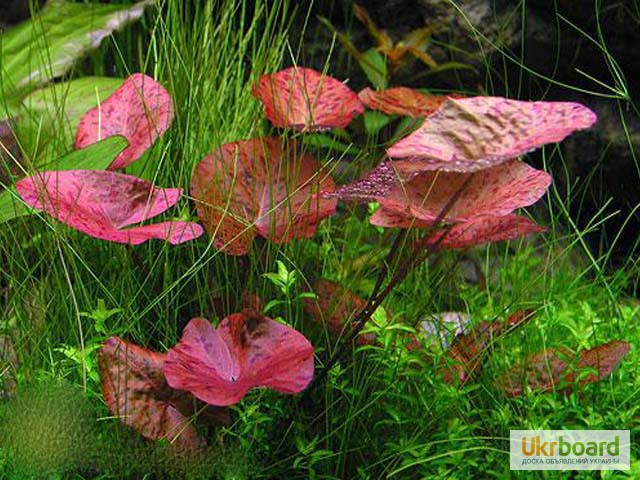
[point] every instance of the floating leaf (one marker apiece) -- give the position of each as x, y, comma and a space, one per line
549, 369
336, 307
307, 100
140, 110
101, 204
247, 350
263, 187
136, 392
464, 358
470, 134
47, 46
402, 101
95, 157
481, 230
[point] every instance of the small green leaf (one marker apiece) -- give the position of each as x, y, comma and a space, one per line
374, 65
375, 121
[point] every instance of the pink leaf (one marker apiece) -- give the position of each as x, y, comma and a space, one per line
247, 350
135, 390
390, 219
483, 230
260, 186
140, 110
495, 191
402, 101
101, 204
471, 134
306, 100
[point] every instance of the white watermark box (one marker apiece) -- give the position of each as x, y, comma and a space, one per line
569, 449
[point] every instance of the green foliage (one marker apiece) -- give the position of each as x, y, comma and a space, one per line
48, 45
48, 428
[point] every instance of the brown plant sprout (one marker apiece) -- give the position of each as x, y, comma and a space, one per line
559, 369
135, 389
260, 187
412, 45
306, 100
334, 306
463, 360
140, 110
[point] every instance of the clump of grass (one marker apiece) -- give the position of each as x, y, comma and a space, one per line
48, 428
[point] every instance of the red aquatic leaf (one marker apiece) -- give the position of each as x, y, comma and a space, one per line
247, 350
465, 357
102, 204
471, 134
402, 101
263, 187
483, 230
549, 369
135, 390
495, 191
140, 110
307, 100
335, 307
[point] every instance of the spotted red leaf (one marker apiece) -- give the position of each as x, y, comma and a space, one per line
336, 306
474, 133
263, 187
551, 369
495, 191
247, 350
140, 110
136, 392
305, 99
402, 101
102, 204
481, 230
464, 358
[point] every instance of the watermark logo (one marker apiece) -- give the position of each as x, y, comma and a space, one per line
569, 449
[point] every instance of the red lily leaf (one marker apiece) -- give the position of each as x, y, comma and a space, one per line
483, 230
335, 306
306, 100
140, 110
471, 134
247, 350
101, 204
546, 370
260, 186
390, 219
402, 101
135, 390
464, 358
495, 191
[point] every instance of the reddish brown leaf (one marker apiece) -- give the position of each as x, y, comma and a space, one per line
335, 307
402, 101
306, 100
8, 367
465, 357
263, 187
551, 369
135, 390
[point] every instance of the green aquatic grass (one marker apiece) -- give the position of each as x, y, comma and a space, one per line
383, 413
